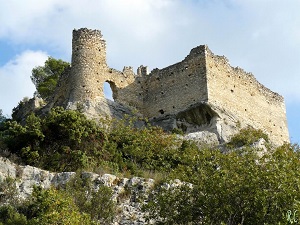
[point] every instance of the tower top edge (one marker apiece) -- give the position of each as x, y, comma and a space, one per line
86, 31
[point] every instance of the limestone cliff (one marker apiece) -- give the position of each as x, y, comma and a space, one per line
128, 205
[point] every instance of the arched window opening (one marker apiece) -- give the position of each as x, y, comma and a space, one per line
109, 90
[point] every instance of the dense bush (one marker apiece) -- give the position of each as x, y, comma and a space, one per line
239, 187
64, 140
246, 137
236, 187
135, 149
44, 207
97, 203
78, 204
53, 207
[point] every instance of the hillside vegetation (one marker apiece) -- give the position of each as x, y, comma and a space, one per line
237, 184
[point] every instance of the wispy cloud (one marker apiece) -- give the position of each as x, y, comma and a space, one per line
15, 79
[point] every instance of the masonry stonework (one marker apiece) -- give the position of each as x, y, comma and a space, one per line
239, 92
202, 92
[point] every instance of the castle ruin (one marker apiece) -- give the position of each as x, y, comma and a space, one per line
202, 92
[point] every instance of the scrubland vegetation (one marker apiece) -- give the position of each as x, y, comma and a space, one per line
236, 185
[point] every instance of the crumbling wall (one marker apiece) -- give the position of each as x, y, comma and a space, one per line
201, 79
177, 87
239, 93
83, 82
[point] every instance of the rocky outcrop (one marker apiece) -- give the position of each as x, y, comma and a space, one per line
128, 193
27, 106
202, 123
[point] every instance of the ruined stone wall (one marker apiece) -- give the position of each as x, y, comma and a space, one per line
177, 87
84, 81
129, 92
239, 93
201, 79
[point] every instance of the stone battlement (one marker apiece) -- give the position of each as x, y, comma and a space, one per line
202, 92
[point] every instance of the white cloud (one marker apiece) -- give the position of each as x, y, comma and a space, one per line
15, 79
261, 36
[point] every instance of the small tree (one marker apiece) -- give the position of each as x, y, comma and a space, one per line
54, 207
97, 203
45, 77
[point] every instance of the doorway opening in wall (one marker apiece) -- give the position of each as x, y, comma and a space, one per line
108, 90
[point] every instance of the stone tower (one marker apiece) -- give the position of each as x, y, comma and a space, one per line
88, 63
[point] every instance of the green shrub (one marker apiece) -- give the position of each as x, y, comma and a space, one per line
233, 188
79, 203
64, 140
246, 137
136, 150
8, 191
97, 203
10, 216
54, 207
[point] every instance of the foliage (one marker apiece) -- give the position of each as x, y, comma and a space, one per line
8, 191
53, 207
234, 188
135, 150
2, 127
66, 140
8, 200
10, 216
78, 204
45, 77
97, 203
62, 141
173, 205
246, 137
177, 131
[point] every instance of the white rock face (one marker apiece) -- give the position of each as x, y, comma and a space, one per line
129, 194
203, 138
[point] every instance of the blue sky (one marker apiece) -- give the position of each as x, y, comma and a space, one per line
260, 36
